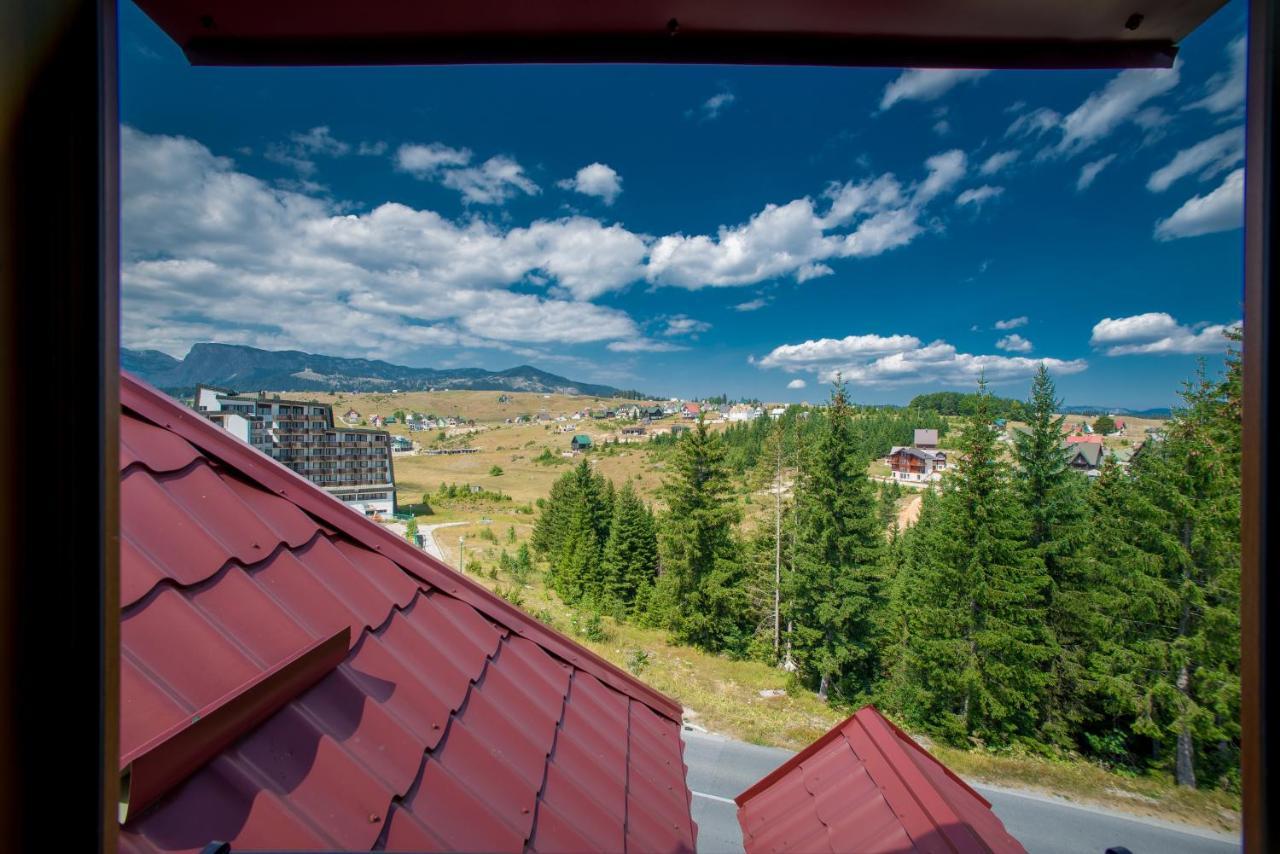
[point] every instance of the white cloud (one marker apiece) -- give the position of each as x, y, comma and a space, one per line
1123, 99
491, 183
424, 161
997, 162
1214, 155
595, 179
1035, 123
713, 106
797, 383
942, 127
644, 345
794, 239
300, 151
372, 149
886, 362
944, 171
751, 305
926, 84
1014, 343
1090, 171
1227, 88
683, 325
211, 253
1157, 332
978, 195
1219, 210
1012, 323
824, 350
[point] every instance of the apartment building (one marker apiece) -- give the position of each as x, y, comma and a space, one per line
351, 464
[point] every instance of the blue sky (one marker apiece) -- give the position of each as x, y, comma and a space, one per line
692, 230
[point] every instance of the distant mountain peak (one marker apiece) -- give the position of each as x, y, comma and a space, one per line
245, 368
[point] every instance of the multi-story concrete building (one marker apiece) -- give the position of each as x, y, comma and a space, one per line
352, 464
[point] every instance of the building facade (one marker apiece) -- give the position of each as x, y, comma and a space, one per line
351, 464
916, 465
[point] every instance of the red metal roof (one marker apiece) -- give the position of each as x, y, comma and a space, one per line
452, 721
866, 786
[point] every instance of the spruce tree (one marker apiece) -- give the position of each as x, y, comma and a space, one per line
834, 596
969, 609
700, 594
1054, 497
1191, 483
630, 557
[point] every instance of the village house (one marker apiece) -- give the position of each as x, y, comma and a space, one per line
1084, 456
744, 412
916, 465
690, 410
377, 420
580, 442
926, 439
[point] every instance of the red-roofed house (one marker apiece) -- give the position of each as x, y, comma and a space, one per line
293, 675
691, 410
866, 786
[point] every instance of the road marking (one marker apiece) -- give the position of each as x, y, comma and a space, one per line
714, 798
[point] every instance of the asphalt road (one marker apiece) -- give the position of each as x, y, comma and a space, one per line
720, 768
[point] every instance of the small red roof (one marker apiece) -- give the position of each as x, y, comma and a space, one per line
296, 676
866, 786
1092, 439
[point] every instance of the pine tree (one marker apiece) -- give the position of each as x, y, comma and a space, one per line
834, 595
969, 613
700, 594
630, 557
572, 530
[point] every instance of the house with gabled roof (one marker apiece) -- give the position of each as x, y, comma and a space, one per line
867, 786
295, 676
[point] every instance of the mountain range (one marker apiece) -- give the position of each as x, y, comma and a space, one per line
242, 368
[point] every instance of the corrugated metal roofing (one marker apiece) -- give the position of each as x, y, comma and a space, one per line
455, 722
866, 786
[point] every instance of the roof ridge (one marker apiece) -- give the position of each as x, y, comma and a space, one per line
153, 405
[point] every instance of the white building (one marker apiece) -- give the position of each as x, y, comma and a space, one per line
351, 464
917, 465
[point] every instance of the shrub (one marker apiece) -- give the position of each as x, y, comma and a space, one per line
495, 471
637, 661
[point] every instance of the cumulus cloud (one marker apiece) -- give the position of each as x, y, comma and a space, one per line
493, 182
751, 304
827, 350
861, 219
595, 179
891, 361
1012, 323
1226, 89
926, 84
1014, 343
978, 195
1219, 210
211, 253
1211, 157
1157, 332
1089, 172
998, 161
797, 383
1123, 99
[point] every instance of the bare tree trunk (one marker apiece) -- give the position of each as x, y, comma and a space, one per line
822, 688
777, 555
1185, 767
